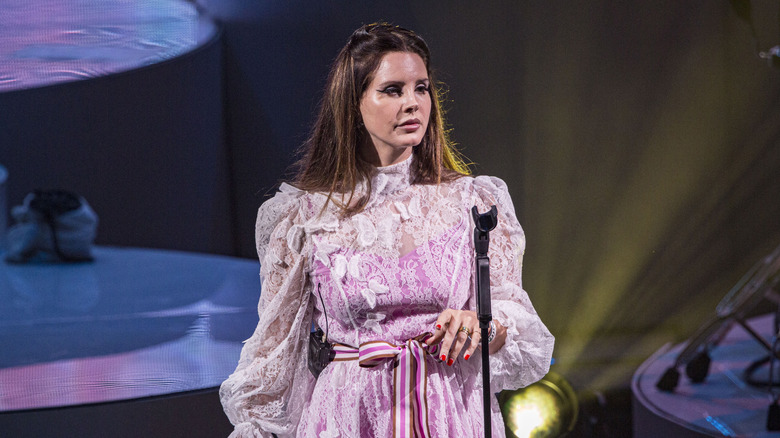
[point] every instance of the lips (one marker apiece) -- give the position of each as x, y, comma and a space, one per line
411, 123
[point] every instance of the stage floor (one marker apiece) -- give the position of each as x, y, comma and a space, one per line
45, 42
134, 323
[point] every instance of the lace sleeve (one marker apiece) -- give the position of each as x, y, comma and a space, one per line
525, 357
267, 391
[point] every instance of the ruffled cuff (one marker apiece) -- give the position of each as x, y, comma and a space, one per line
526, 355
248, 430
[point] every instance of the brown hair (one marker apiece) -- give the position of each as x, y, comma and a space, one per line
331, 162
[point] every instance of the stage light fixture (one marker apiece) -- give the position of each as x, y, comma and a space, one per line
546, 409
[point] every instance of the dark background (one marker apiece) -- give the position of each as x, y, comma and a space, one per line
640, 142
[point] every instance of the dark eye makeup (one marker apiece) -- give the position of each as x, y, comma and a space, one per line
397, 89
392, 90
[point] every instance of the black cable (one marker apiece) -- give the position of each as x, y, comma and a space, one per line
324, 312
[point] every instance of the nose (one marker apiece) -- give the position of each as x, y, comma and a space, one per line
411, 105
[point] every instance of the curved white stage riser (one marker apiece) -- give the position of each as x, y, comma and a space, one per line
723, 405
142, 143
122, 103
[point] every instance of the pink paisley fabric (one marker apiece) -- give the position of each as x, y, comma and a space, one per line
385, 274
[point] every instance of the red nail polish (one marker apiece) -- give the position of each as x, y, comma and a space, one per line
450, 362
438, 326
443, 357
466, 357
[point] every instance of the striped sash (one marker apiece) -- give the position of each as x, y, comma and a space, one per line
410, 379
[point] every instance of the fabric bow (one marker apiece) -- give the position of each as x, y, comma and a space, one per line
410, 378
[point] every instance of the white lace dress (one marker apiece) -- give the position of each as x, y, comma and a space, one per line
385, 274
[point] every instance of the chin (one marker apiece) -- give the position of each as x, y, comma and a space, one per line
410, 143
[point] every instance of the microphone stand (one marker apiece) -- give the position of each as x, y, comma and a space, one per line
773, 414
483, 224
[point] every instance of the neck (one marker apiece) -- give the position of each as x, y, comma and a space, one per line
384, 157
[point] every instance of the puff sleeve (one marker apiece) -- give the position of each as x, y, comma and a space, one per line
525, 356
271, 383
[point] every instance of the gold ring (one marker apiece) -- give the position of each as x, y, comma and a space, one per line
465, 330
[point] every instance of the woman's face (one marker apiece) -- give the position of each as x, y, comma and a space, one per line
395, 108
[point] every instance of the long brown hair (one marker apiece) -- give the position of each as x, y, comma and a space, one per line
331, 162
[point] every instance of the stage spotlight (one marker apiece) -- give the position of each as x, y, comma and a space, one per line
546, 409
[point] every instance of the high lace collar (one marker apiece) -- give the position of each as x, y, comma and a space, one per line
392, 178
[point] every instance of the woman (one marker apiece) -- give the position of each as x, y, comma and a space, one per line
374, 244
